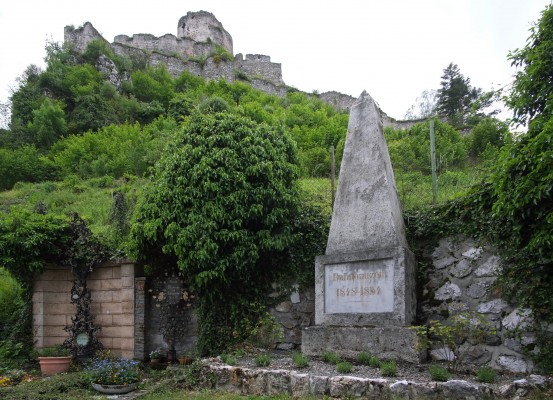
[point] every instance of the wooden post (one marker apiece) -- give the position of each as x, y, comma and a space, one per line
332, 173
433, 162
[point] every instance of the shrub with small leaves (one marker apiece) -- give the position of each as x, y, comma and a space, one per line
438, 373
343, 367
300, 360
388, 368
374, 362
364, 358
331, 357
486, 375
263, 360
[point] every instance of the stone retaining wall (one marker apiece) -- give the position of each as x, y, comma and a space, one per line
263, 382
460, 278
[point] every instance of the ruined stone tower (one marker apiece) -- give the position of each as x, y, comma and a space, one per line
202, 26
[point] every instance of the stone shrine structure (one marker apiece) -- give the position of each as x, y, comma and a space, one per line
365, 283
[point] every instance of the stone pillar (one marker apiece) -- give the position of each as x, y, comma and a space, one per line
139, 317
365, 283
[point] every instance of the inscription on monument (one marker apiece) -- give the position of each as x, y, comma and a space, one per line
360, 287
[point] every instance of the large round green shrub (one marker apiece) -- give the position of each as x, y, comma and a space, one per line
220, 206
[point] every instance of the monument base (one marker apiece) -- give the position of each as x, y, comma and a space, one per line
387, 343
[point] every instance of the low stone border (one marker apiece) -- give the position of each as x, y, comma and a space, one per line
246, 381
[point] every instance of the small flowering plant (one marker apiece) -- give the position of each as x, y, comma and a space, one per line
117, 371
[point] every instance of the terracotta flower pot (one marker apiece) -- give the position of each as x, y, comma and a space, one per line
186, 360
54, 365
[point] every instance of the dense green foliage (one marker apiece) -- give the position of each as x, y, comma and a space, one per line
532, 92
219, 205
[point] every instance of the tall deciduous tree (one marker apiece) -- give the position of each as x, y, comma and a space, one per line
220, 205
424, 107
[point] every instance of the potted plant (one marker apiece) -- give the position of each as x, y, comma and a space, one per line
54, 360
156, 356
113, 376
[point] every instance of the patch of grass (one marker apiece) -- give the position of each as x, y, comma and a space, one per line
300, 360
364, 358
62, 386
438, 373
375, 362
263, 360
388, 368
486, 375
344, 367
228, 359
331, 357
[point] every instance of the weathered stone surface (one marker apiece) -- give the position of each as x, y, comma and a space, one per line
299, 384
495, 306
367, 214
289, 323
459, 389
319, 385
400, 389
278, 382
473, 253
254, 382
295, 296
449, 291
341, 386
285, 346
203, 27
426, 391
285, 306
512, 363
490, 268
390, 343
461, 269
517, 319
383, 295
493, 340
512, 344
442, 354
476, 355
442, 263
477, 290
538, 381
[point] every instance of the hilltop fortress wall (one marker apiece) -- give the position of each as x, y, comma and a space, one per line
197, 48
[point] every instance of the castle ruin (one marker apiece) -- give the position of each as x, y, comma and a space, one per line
204, 48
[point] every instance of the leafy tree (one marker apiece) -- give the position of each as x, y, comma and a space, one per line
91, 113
153, 84
26, 98
220, 205
410, 149
48, 123
456, 96
532, 92
489, 132
23, 164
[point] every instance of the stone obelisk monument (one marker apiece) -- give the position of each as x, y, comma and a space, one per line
365, 283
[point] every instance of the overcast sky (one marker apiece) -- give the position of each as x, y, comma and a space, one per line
394, 49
